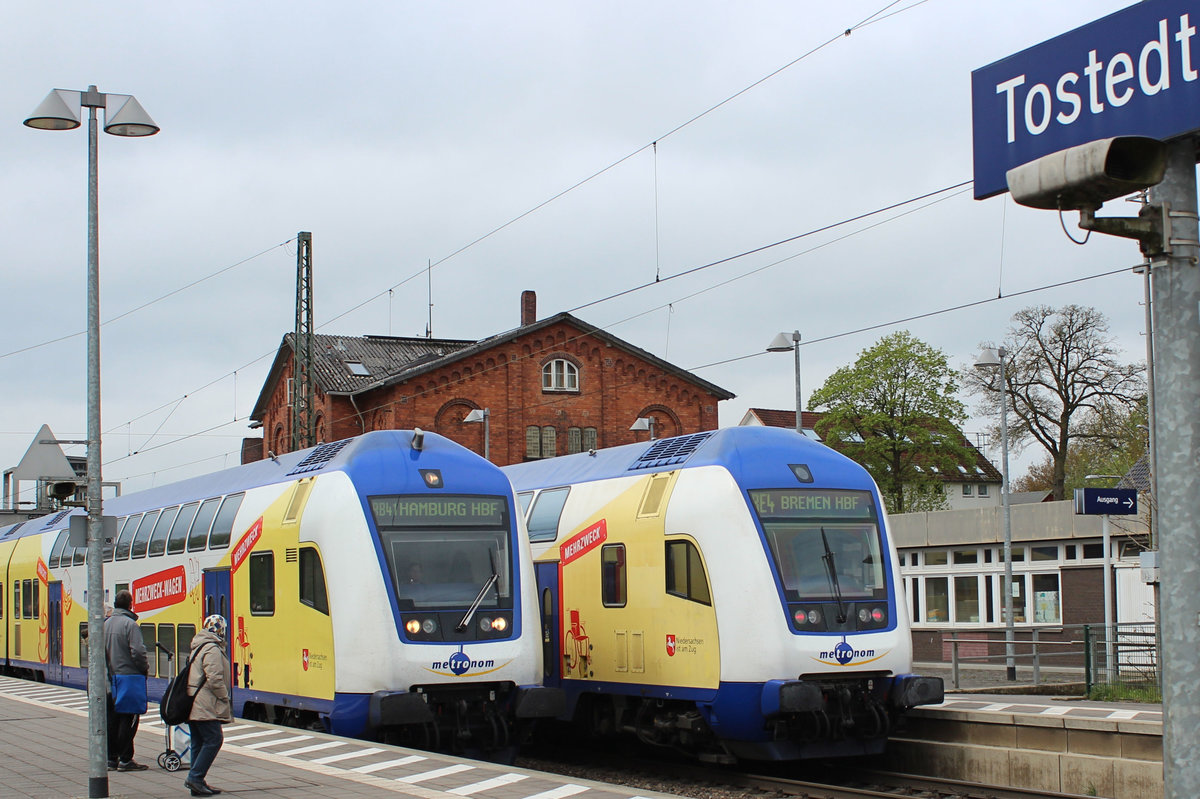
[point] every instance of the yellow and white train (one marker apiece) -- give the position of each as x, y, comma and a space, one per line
732, 594
380, 586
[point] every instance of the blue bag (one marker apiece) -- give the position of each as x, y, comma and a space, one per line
129, 693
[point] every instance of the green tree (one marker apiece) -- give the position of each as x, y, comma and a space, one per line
896, 412
1062, 377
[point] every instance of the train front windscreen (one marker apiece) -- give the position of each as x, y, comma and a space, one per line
825, 543
443, 551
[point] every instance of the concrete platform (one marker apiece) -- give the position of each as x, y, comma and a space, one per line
44, 742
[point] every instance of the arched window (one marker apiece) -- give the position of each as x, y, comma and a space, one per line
560, 375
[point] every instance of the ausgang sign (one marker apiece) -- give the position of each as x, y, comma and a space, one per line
1132, 73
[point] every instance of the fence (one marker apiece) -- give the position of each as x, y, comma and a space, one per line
1118, 663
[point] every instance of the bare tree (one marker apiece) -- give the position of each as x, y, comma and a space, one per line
1061, 370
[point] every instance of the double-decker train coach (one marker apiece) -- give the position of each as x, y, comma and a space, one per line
733, 594
380, 586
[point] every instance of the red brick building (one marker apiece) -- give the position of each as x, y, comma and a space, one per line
550, 387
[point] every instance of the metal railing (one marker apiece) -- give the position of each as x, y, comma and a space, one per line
1118, 663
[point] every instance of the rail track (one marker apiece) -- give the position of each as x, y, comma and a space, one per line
829, 780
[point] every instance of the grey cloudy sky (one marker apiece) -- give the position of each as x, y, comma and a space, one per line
400, 132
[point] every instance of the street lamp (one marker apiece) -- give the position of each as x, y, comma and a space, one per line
123, 116
1109, 633
782, 343
644, 423
483, 415
992, 358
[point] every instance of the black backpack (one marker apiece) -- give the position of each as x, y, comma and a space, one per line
176, 704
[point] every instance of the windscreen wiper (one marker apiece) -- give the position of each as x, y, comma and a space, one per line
487, 586
831, 568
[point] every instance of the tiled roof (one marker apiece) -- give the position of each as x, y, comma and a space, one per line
382, 357
388, 359
1138, 475
978, 470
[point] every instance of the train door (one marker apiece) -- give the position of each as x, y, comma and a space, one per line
218, 599
551, 617
54, 633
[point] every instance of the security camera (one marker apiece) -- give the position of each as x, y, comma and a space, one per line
1084, 177
61, 490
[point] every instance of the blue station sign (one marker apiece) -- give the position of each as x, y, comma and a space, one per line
1133, 73
1106, 501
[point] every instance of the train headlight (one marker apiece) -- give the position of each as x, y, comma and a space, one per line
429, 626
413, 626
499, 624
878, 615
807, 617
485, 624
864, 615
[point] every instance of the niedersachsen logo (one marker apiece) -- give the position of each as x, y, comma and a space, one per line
460, 663
844, 655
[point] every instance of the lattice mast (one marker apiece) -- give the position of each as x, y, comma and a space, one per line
303, 422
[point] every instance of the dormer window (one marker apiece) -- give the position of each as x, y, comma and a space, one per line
560, 375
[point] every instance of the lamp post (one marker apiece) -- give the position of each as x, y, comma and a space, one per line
1107, 546
59, 111
484, 415
992, 358
782, 343
644, 423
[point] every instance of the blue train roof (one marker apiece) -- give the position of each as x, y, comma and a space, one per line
755, 456
369, 459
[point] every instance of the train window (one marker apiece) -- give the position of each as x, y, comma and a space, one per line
142, 538
523, 498
166, 637
312, 580
16, 603
27, 609
83, 642
177, 538
543, 519
183, 642
110, 542
149, 636
685, 572
198, 536
79, 556
262, 584
125, 540
612, 576
222, 527
56, 552
158, 539
1, 600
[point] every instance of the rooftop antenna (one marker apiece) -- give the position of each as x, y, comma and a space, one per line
429, 290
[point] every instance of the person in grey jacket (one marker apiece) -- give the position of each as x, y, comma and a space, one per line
125, 653
212, 705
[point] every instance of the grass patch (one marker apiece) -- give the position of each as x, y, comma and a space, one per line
1125, 692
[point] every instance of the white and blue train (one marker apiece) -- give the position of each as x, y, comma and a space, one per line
380, 586
733, 594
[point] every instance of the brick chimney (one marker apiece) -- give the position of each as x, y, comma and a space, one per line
528, 307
